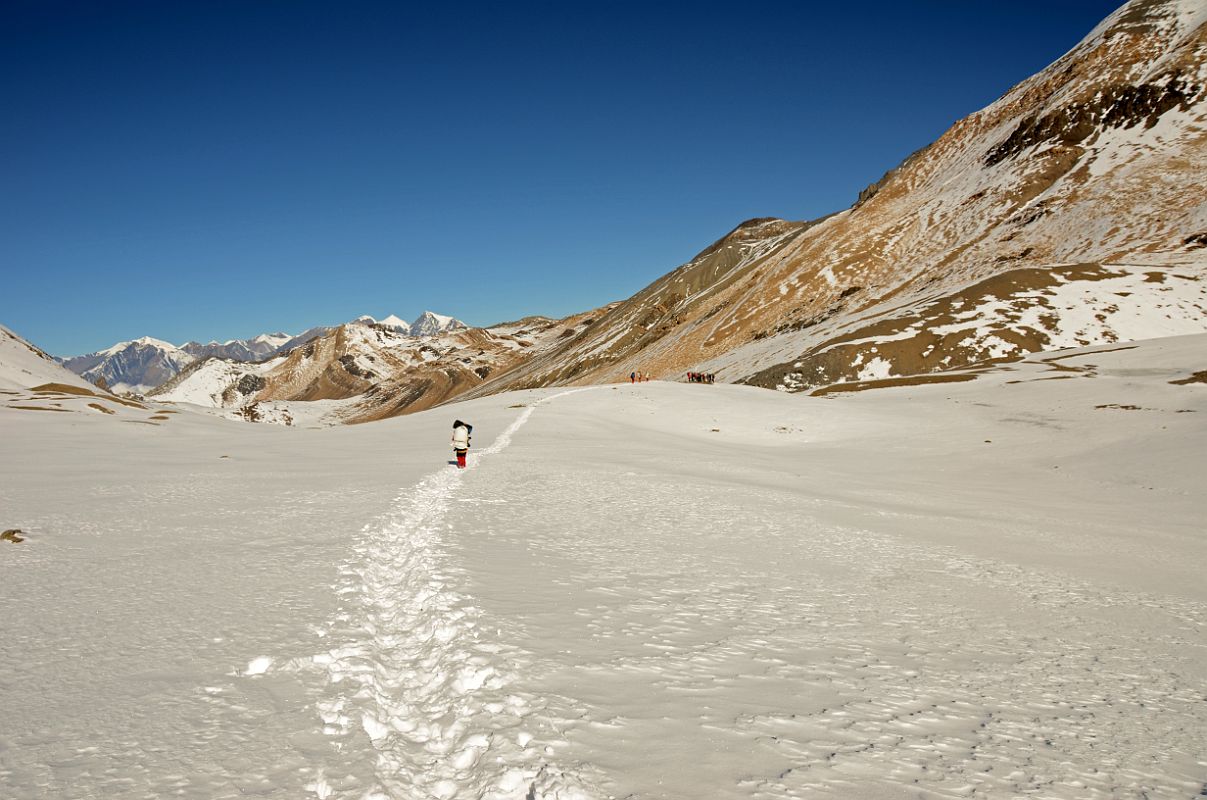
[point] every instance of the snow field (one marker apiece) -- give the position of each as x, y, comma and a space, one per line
988, 589
172, 581
737, 623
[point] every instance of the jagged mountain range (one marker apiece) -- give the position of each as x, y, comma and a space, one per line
263, 346
360, 372
141, 365
1068, 213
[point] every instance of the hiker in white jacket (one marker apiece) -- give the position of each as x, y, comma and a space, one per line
461, 432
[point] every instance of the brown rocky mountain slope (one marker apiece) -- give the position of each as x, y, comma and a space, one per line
1069, 212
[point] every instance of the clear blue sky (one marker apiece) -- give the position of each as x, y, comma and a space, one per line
197, 170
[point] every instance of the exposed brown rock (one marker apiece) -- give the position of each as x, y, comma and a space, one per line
1198, 377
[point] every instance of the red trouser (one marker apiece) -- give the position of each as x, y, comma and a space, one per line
461, 458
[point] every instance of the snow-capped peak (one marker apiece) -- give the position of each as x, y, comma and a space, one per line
396, 322
144, 341
430, 323
153, 342
272, 338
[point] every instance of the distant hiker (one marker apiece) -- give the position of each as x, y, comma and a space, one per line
632, 377
461, 432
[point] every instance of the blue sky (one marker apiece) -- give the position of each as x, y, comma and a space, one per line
199, 170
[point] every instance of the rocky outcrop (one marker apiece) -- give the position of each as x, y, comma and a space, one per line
1120, 106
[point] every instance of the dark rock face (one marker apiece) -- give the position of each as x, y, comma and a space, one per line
348, 362
250, 384
872, 189
1121, 106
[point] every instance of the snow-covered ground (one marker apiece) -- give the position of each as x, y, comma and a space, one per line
981, 589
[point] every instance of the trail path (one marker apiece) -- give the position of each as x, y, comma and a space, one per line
413, 672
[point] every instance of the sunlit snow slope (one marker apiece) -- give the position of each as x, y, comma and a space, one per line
24, 366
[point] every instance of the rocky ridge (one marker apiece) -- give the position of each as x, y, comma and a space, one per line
364, 371
1067, 213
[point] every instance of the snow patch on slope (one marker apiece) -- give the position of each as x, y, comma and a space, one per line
23, 366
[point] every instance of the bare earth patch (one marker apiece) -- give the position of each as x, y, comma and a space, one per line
101, 408
885, 383
1198, 377
12, 535
63, 388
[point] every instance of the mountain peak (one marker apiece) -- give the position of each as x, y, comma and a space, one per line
394, 321
149, 341
430, 323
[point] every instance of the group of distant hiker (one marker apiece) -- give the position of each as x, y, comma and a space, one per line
692, 377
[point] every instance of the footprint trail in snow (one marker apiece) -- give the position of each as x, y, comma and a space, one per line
418, 701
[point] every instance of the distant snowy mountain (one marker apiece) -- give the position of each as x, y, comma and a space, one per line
428, 323
369, 370
253, 349
395, 322
258, 348
135, 366
143, 364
